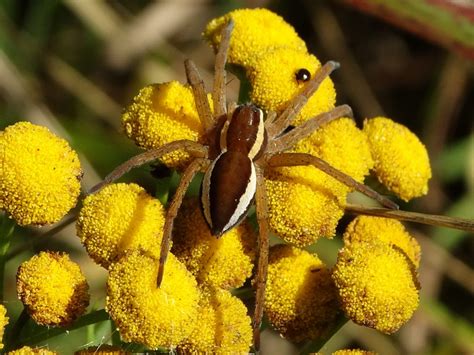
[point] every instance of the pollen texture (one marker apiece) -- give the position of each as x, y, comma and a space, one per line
118, 218
221, 327
160, 114
39, 174
354, 352
401, 160
390, 231
224, 262
144, 313
302, 204
301, 299
274, 84
52, 288
343, 146
3, 323
255, 32
378, 288
26, 350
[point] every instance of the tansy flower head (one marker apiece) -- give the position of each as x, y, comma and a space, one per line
302, 204
255, 32
224, 262
221, 327
376, 285
102, 349
274, 83
343, 145
145, 313
3, 323
390, 231
52, 288
118, 218
39, 174
26, 350
160, 114
300, 300
401, 160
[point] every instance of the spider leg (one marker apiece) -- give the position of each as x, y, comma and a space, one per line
298, 102
295, 159
199, 93
188, 174
289, 139
194, 148
271, 116
218, 93
263, 245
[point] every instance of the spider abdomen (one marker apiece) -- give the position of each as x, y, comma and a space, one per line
228, 190
230, 182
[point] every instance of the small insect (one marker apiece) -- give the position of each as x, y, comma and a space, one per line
239, 144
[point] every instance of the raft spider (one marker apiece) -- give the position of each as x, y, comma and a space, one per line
238, 146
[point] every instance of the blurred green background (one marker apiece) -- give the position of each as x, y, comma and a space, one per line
72, 66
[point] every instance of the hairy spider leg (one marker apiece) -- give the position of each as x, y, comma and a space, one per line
218, 91
193, 168
298, 102
296, 159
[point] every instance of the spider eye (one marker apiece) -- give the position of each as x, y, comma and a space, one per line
303, 75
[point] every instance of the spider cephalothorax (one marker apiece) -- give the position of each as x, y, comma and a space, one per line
238, 145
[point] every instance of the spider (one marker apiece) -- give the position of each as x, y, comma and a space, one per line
238, 146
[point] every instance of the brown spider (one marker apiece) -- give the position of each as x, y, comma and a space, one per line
238, 146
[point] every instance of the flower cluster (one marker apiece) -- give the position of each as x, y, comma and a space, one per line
374, 281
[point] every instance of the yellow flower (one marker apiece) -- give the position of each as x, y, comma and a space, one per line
102, 349
144, 313
300, 300
401, 161
3, 323
302, 204
26, 350
160, 114
354, 352
221, 327
377, 286
224, 262
390, 231
39, 174
255, 32
118, 218
52, 288
274, 84
344, 146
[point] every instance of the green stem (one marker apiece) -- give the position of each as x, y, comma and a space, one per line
15, 331
315, 345
6, 231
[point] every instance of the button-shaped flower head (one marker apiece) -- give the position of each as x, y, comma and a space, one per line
26, 350
3, 323
301, 299
118, 218
274, 82
377, 285
221, 327
224, 262
390, 231
102, 349
354, 352
160, 114
401, 160
304, 202
39, 174
52, 288
255, 32
145, 313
